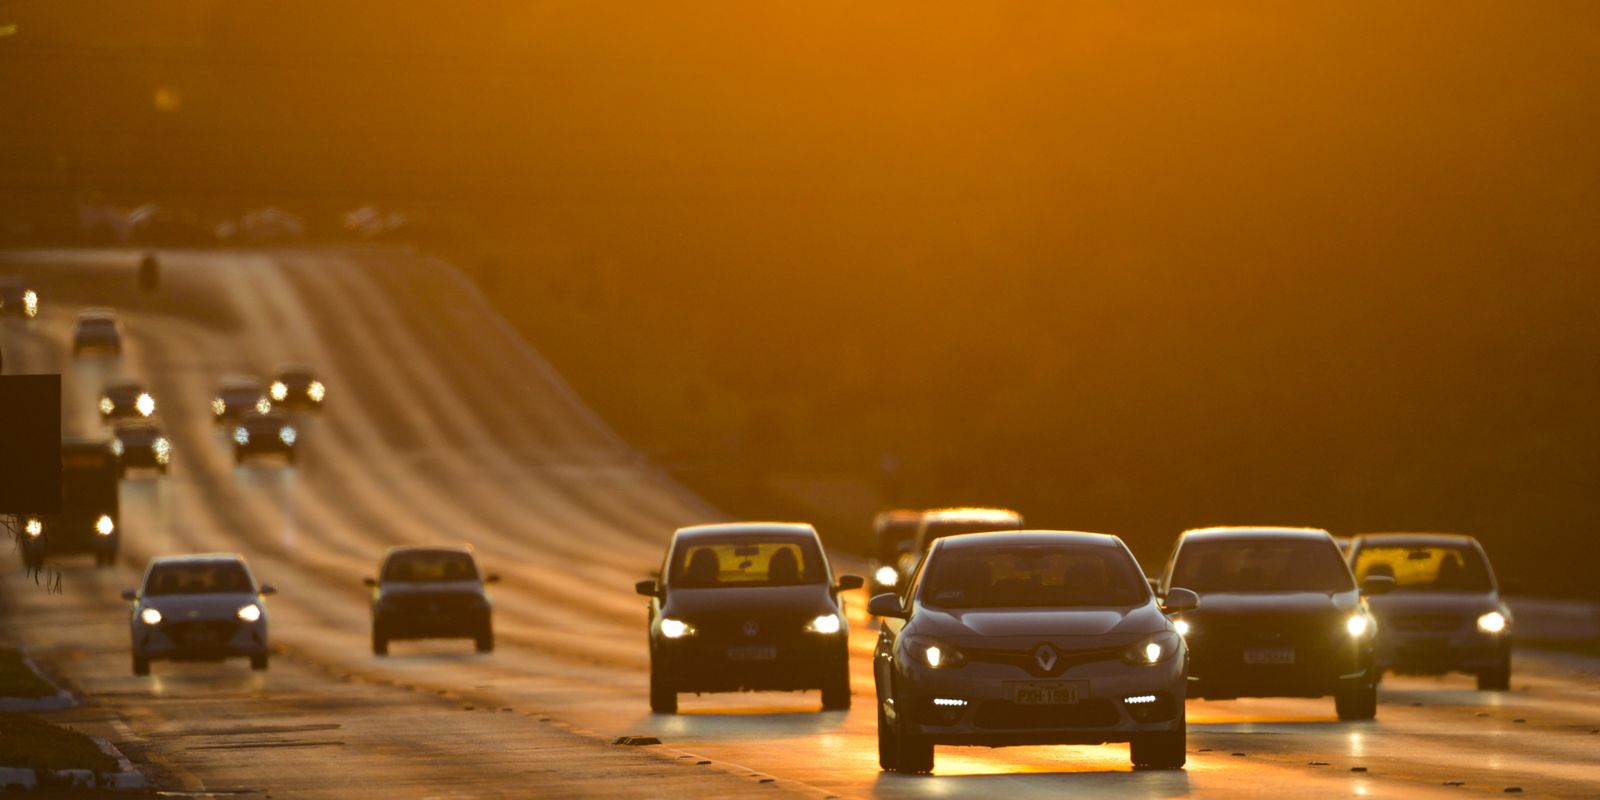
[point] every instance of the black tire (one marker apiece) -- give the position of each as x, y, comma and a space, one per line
663, 695
1498, 678
258, 662
380, 643
484, 642
141, 666
1359, 701
836, 692
888, 747
1164, 750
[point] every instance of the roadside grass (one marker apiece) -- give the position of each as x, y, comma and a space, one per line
29, 742
16, 680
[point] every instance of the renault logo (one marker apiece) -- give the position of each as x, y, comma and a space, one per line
751, 628
1045, 655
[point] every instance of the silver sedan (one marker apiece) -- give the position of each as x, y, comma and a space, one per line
204, 607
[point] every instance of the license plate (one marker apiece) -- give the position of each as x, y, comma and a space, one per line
1269, 655
1046, 693
752, 653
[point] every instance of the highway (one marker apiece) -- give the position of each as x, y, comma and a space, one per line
442, 425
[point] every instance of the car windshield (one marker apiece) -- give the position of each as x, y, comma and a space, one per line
206, 577
746, 562
1046, 576
1426, 569
240, 395
430, 567
97, 325
1261, 565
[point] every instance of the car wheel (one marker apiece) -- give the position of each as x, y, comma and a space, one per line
912, 753
380, 643
1359, 701
836, 692
258, 662
484, 641
888, 744
141, 666
1164, 750
663, 696
1497, 678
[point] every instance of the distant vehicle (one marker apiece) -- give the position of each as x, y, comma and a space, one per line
939, 523
1280, 616
1445, 613
204, 607
1031, 638
1344, 544
141, 444
431, 593
126, 399
87, 522
17, 299
893, 533
96, 330
264, 434
747, 606
237, 397
297, 388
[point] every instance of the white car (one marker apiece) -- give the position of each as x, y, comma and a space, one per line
1029, 638
205, 607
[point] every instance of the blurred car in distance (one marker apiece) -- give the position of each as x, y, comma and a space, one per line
1445, 613
126, 399
1030, 638
431, 593
17, 299
204, 607
939, 523
96, 330
140, 444
237, 397
89, 515
271, 433
893, 533
747, 606
297, 389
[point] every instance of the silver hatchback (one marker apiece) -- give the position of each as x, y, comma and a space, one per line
205, 607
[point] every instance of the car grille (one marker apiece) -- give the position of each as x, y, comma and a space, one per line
1025, 660
200, 632
1419, 623
1004, 714
435, 603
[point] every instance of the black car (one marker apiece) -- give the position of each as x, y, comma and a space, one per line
237, 397
126, 400
87, 521
96, 330
1280, 615
141, 444
938, 523
297, 388
431, 593
747, 607
264, 434
17, 300
893, 533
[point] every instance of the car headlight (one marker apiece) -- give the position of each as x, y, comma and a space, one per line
34, 528
675, 628
936, 654
886, 576
1153, 650
150, 616
287, 434
316, 391
250, 613
162, 448
145, 405
219, 406
263, 406
117, 448
30, 303
105, 525
106, 406
279, 391
1182, 626
827, 623
1492, 622
1357, 625
241, 435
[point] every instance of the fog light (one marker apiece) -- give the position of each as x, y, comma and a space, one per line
1139, 699
950, 702
1151, 707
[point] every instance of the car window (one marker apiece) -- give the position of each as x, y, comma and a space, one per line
212, 577
746, 562
425, 567
1261, 565
1423, 569
1048, 576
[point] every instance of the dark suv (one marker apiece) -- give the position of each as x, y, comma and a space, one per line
431, 593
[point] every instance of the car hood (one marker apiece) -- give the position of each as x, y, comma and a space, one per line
1038, 622
1428, 603
179, 607
402, 588
692, 603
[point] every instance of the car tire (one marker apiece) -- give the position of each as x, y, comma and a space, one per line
663, 695
836, 692
484, 641
912, 753
258, 662
1164, 750
380, 643
888, 746
1356, 702
1497, 678
141, 666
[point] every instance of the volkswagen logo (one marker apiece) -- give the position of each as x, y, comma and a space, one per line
751, 628
1045, 656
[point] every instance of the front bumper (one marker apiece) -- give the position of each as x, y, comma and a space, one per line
462, 624
205, 639
64, 539
1437, 653
796, 664
1322, 664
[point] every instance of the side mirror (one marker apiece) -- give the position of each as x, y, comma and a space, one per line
887, 605
1180, 599
647, 588
373, 582
848, 582
130, 594
1377, 584
267, 588
491, 578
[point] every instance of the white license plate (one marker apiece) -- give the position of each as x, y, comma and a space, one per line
752, 653
1046, 693
1269, 655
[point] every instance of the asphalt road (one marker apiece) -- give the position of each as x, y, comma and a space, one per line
442, 425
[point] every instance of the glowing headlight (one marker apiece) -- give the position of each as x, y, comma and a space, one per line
287, 434
1492, 622
105, 525
106, 406
145, 405
150, 616
279, 391
1357, 625
827, 623
675, 628
34, 528
1153, 650
250, 613
117, 448
263, 406
1182, 626
30, 303
241, 435
162, 448
886, 576
316, 391
219, 406
937, 655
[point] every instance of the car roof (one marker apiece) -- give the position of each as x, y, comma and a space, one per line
1028, 538
428, 548
1003, 516
197, 558
240, 382
1416, 539
1254, 532
797, 530
896, 515
97, 313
